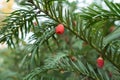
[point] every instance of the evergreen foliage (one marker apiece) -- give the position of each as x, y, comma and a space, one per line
72, 55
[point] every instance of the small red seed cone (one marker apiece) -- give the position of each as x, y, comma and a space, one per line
35, 23
100, 62
73, 58
84, 44
110, 74
62, 71
59, 29
112, 28
74, 23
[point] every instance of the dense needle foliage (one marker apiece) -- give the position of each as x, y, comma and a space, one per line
72, 55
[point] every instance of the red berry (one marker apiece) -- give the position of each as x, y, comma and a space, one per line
59, 29
100, 62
